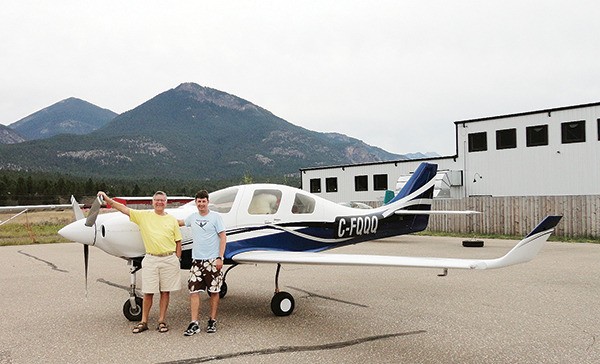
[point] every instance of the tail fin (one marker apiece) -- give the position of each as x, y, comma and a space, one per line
424, 173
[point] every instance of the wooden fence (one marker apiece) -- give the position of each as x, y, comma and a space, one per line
519, 215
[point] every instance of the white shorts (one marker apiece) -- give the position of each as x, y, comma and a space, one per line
160, 274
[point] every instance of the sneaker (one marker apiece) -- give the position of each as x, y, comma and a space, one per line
192, 329
212, 326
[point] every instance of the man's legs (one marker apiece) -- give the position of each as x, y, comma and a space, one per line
164, 304
214, 303
147, 304
212, 321
193, 327
194, 305
169, 278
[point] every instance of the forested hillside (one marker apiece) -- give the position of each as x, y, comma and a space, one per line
40, 189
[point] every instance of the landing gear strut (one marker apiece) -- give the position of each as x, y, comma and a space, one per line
282, 303
132, 309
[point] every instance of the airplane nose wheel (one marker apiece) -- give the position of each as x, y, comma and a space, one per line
282, 303
131, 313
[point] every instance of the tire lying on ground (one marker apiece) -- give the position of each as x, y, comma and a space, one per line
472, 243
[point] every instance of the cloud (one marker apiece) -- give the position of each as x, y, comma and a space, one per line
394, 74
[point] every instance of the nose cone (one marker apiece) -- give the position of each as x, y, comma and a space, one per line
78, 232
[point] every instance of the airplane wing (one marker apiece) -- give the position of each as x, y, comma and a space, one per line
34, 207
23, 208
19, 210
522, 252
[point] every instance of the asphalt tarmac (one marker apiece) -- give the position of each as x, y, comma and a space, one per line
545, 311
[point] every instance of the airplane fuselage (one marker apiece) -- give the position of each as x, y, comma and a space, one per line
262, 217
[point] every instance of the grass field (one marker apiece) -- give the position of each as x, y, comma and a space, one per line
34, 227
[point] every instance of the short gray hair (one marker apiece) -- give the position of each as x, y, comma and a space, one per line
160, 193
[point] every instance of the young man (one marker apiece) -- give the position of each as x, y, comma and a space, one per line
208, 232
162, 240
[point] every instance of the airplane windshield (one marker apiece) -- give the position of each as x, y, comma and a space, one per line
221, 201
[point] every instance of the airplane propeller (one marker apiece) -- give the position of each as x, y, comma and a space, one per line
89, 222
86, 257
94, 210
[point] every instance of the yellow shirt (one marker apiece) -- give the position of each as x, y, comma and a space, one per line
159, 233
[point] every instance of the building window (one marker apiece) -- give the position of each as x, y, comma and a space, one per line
331, 184
506, 139
573, 132
361, 183
537, 135
315, 185
478, 142
380, 182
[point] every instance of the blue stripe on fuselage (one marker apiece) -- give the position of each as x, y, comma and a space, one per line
281, 240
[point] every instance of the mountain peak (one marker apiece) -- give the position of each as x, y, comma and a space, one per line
211, 95
71, 115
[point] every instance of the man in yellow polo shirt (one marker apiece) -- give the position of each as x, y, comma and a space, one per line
162, 240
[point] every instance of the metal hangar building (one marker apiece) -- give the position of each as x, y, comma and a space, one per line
552, 152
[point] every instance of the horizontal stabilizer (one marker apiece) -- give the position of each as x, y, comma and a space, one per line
438, 212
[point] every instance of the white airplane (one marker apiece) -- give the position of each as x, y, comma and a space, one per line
268, 223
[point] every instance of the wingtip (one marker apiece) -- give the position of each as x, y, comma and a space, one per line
548, 223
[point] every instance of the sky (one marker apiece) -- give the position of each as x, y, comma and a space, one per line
394, 74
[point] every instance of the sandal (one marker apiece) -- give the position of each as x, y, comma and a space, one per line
162, 327
141, 327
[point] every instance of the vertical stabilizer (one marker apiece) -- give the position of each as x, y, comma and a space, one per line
424, 173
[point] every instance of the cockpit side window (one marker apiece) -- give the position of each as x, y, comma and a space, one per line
264, 202
222, 201
303, 204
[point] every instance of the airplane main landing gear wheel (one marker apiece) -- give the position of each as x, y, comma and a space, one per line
133, 314
282, 304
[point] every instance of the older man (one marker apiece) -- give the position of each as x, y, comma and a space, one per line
162, 240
